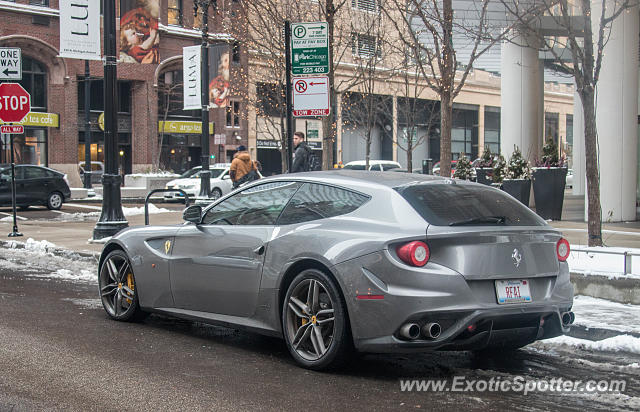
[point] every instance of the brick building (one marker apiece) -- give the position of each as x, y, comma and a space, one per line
149, 95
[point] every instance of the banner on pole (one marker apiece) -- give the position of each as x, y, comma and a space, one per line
139, 36
80, 29
191, 60
219, 75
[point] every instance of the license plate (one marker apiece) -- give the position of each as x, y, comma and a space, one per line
513, 291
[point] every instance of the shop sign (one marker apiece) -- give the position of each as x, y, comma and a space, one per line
268, 144
182, 127
39, 119
191, 71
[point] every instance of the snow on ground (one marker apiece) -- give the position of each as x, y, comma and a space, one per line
38, 258
621, 343
595, 263
600, 313
132, 211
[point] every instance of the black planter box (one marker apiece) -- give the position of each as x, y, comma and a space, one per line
548, 191
484, 175
518, 188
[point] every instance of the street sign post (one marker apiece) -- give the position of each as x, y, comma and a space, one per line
10, 63
15, 104
310, 48
311, 96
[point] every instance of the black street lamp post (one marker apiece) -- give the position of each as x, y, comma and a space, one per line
205, 174
87, 126
112, 219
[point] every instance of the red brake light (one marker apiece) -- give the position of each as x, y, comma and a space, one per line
414, 253
562, 249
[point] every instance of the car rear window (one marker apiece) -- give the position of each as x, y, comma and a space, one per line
461, 204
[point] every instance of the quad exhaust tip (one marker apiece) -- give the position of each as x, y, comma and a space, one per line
568, 318
410, 331
431, 330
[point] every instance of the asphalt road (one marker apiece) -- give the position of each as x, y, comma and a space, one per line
59, 350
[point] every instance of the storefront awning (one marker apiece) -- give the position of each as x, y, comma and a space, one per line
40, 119
182, 127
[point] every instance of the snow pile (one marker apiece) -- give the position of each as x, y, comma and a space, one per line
10, 218
133, 211
77, 217
161, 173
39, 259
621, 343
601, 263
599, 313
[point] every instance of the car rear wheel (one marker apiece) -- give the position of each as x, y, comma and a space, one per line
216, 194
54, 201
118, 288
314, 321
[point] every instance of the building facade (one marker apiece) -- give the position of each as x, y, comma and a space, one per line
153, 130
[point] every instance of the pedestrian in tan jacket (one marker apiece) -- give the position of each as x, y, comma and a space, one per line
241, 165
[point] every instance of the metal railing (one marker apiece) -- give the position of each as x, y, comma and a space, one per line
627, 256
146, 201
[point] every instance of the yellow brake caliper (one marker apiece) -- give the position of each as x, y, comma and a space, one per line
130, 284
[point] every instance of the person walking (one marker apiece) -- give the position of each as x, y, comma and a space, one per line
242, 169
301, 153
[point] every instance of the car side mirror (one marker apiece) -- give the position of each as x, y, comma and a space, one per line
193, 214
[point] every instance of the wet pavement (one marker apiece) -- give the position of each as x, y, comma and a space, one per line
59, 350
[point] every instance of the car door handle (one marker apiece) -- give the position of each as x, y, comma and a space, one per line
259, 250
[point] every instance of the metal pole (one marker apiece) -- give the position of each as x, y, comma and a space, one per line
112, 219
205, 174
15, 232
289, 99
87, 127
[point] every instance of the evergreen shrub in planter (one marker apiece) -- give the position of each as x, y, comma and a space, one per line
549, 179
463, 168
484, 169
518, 180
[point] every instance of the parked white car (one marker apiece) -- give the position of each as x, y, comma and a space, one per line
189, 181
376, 165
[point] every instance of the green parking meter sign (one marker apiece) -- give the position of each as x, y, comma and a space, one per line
310, 48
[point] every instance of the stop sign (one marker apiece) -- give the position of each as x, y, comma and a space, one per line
15, 102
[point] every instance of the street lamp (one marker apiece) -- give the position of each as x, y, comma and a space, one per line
205, 174
112, 219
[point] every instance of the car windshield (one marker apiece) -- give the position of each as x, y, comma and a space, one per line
189, 173
461, 204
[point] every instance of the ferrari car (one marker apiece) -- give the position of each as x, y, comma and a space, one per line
347, 260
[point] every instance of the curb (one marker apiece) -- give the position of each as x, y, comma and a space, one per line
616, 288
595, 334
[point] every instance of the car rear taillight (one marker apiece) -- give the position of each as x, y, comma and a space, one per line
563, 249
414, 253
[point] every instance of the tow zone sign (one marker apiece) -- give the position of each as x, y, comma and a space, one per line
311, 96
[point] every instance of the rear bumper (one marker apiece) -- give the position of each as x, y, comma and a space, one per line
435, 293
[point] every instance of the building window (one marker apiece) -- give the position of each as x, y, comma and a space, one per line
464, 133
235, 52
491, 129
96, 98
174, 12
34, 80
233, 114
551, 126
366, 5
364, 45
171, 99
44, 3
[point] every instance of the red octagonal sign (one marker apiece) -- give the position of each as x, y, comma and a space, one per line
15, 102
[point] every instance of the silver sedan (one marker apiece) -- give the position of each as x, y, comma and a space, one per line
346, 260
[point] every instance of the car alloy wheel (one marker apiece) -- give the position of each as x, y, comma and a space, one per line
314, 321
216, 194
54, 201
118, 288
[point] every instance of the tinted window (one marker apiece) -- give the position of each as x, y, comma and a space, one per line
446, 204
189, 173
354, 167
34, 173
257, 205
389, 166
315, 201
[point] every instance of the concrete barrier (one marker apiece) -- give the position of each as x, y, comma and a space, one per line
617, 288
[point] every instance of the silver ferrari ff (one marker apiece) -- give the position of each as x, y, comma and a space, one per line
347, 260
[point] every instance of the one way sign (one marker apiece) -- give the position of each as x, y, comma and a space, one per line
10, 63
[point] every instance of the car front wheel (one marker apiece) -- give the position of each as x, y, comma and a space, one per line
216, 194
54, 201
314, 321
118, 288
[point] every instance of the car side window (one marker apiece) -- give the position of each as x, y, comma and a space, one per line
257, 205
34, 173
316, 201
390, 166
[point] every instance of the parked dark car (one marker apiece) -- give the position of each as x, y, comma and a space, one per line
35, 185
